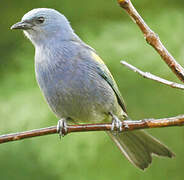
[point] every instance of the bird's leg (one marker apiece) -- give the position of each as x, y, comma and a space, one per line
116, 123
62, 127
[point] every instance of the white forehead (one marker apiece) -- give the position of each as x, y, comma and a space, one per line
45, 12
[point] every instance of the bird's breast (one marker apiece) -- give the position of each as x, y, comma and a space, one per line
74, 89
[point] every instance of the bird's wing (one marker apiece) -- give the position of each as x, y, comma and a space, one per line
105, 74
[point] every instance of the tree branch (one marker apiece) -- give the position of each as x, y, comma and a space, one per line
152, 76
153, 39
128, 125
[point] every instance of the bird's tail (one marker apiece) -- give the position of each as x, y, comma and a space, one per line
138, 146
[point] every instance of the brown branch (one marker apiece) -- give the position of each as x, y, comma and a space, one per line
128, 125
153, 39
152, 76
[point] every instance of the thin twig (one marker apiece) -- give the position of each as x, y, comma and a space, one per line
128, 125
152, 76
153, 39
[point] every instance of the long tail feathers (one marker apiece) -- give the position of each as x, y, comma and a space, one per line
138, 146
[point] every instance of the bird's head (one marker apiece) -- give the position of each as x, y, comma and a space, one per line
44, 24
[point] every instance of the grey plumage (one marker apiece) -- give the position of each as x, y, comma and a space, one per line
81, 98
77, 84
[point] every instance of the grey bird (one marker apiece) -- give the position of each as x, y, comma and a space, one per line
78, 86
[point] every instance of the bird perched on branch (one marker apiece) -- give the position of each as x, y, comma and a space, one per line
78, 86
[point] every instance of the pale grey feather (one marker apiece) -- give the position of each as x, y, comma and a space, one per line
77, 85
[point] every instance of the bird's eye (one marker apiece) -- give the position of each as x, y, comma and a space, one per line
40, 20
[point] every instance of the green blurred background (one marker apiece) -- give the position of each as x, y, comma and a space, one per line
107, 28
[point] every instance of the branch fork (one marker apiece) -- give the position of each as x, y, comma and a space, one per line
153, 39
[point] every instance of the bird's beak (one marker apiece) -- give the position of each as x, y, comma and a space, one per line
22, 25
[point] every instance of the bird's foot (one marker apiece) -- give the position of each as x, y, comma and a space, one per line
116, 123
62, 127
126, 126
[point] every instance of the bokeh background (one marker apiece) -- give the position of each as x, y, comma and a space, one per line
107, 28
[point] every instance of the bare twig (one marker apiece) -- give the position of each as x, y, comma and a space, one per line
152, 77
153, 39
127, 126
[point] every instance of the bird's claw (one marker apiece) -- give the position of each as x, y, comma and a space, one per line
116, 123
126, 126
62, 127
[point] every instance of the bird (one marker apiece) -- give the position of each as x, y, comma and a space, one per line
79, 87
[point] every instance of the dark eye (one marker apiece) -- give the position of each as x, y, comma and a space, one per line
40, 20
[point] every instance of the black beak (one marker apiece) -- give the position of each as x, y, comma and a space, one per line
22, 25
